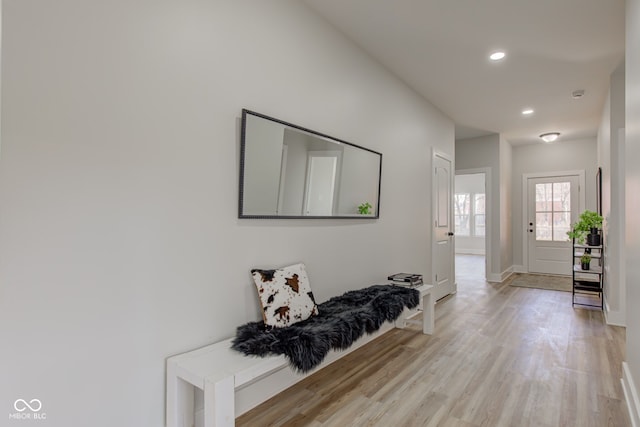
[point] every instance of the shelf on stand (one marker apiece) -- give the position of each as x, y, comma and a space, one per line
588, 284
594, 269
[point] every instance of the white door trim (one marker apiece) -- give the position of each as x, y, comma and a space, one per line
525, 203
488, 212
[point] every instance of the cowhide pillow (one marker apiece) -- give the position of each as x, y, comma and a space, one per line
285, 295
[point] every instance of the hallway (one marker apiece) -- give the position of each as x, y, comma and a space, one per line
500, 356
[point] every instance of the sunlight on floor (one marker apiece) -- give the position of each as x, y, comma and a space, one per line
470, 267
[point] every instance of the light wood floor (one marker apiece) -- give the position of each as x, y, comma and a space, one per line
500, 356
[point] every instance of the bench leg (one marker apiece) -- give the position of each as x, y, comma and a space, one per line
428, 314
400, 322
180, 398
171, 410
219, 403
179, 410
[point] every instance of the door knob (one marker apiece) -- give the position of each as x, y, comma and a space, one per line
450, 233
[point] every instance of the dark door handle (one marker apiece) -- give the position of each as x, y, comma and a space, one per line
450, 233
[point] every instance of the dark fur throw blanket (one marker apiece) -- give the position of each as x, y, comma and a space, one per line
340, 322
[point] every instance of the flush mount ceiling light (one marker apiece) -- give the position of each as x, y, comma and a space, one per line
498, 55
527, 111
550, 136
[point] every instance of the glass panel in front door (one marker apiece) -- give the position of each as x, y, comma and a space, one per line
553, 211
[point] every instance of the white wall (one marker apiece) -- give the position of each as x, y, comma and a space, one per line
615, 239
506, 245
119, 241
611, 159
632, 232
472, 184
566, 155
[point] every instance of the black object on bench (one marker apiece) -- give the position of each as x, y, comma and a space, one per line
340, 322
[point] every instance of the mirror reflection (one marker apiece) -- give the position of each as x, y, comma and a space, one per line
288, 171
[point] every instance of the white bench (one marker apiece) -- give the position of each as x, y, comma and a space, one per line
219, 372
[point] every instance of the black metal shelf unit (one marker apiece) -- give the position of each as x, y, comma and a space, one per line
588, 284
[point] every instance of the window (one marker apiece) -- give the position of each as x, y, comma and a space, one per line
461, 213
469, 217
478, 215
553, 211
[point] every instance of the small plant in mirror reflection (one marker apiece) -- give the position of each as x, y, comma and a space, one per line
365, 208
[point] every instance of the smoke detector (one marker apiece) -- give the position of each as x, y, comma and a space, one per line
577, 94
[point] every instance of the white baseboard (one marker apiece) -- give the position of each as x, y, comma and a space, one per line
520, 269
614, 317
469, 251
505, 274
630, 395
499, 278
494, 278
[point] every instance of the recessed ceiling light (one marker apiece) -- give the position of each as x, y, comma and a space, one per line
496, 56
527, 112
550, 136
577, 94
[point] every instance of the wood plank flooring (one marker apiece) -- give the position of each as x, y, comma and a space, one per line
500, 356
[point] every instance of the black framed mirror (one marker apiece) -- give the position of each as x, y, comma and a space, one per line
287, 171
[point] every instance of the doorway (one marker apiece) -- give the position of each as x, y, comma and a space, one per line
472, 218
553, 202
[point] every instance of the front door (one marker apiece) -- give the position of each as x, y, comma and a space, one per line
553, 205
442, 262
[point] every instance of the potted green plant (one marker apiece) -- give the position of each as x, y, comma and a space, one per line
585, 260
365, 208
589, 223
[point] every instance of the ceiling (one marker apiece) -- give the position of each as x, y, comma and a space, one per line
440, 48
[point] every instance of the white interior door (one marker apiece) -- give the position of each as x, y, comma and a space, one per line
443, 248
553, 205
321, 182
